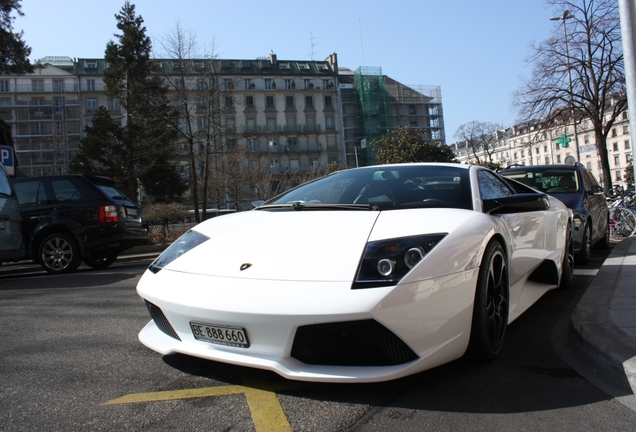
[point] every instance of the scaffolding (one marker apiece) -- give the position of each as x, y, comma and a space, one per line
375, 105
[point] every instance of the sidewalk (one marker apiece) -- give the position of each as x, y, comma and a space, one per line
604, 321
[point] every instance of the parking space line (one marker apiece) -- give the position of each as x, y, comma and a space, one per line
267, 412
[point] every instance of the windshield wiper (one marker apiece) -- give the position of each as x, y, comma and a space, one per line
300, 205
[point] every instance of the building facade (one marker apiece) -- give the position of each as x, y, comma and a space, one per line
529, 144
292, 117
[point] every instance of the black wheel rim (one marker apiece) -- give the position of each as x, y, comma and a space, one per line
57, 254
497, 301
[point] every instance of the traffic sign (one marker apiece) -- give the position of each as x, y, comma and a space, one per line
6, 159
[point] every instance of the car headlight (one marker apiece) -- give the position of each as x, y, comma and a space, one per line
183, 244
386, 262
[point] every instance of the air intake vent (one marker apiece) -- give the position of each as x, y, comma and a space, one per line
161, 321
352, 343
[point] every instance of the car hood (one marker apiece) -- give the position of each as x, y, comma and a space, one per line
303, 245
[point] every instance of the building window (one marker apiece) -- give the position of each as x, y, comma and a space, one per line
626, 144
59, 128
228, 83
90, 85
201, 102
58, 103
558, 158
38, 128
587, 139
328, 102
268, 83
614, 134
615, 146
628, 158
309, 101
113, 105
589, 166
249, 101
625, 130
37, 85
202, 122
201, 84
273, 164
618, 176
307, 84
247, 83
617, 161
329, 124
412, 110
289, 84
269, 101
547, 160
58, 85
327, 84
293, 165
4, 86
545, 149
413, 125
289, 102
91, 105
229, 102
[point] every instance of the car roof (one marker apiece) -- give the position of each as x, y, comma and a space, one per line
542, 168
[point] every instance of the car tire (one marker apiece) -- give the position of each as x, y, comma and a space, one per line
491, 306
59, 253
583, 256
604, 242
101, 262
567, 269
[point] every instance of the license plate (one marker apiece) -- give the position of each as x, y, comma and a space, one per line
220, 334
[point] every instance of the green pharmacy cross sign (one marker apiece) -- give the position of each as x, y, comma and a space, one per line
563, 141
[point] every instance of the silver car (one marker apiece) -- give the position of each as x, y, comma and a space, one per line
11, 245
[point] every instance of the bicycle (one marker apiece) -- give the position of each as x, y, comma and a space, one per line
622, 222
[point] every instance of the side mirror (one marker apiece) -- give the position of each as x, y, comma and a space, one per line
594, 190
517, 203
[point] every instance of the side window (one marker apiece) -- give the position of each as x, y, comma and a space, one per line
5, 185
491, 186
65, 190
589, 180
31, 193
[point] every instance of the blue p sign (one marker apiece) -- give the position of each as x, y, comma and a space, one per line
6, 159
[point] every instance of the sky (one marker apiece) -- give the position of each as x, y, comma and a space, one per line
475, 50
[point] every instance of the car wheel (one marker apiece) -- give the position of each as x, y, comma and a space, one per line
605, 241
101, 262
567, 269
586, 245
490, 310
59, 253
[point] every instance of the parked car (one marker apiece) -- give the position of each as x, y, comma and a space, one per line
367, 274
11, 245
73, 218
577, 188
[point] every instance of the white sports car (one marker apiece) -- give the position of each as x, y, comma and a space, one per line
367, 274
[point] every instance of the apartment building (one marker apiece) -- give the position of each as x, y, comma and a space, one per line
290, 116
529, 144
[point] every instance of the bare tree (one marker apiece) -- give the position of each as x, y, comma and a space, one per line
480, 137
586, 81
192, 74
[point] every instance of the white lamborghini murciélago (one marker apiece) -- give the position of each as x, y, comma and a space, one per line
367, 274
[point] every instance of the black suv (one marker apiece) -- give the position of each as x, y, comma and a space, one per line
577, 188
68, 219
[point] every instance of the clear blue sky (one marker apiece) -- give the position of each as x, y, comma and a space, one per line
474, 49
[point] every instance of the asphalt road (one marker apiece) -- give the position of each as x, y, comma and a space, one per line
70, 360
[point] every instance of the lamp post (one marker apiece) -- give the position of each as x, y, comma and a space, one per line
567, 15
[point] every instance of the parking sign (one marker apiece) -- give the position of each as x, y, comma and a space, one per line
6, 159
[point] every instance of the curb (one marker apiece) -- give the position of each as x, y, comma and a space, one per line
593, 329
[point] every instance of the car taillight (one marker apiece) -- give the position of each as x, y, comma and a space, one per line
108, 213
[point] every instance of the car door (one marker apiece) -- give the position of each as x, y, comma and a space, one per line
528, 241
596, 204
36, 205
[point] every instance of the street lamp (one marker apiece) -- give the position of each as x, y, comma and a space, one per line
567, 15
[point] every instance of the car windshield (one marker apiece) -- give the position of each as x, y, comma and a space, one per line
384, 187
549, 180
